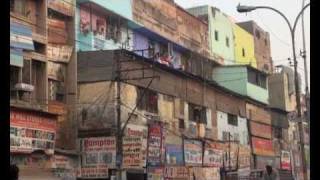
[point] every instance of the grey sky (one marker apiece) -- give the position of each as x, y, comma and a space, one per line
271, 22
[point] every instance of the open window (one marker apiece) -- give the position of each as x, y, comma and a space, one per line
197, 114
232, 120
149, 100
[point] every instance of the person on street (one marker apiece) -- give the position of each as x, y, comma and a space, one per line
14, 172
270, 174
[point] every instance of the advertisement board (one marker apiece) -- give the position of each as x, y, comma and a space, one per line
205, 173
59, 53
176, 172
262, 147
285, 160
174, 154
135, 146
260, 130
155, 144
212, 157
98, 155
192, 152
30, 131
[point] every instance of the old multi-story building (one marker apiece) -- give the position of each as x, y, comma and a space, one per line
42, 87
262, 48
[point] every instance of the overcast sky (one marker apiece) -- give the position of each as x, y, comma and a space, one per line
271, 22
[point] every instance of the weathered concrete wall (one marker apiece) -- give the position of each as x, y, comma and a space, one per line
258, 113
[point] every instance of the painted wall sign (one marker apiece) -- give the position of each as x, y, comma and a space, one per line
176, 172
174, 154
30, 131
285, 160
59, 53
192, 152
262, 147
155, 173
260, 130
155, 144
213, 157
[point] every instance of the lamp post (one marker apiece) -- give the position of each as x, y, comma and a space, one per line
244, 9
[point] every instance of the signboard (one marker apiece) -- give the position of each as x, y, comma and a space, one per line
135, 146
244, 156
174, 154
30, 132
212, 157
285, 160
260, 130
98, 154
262, 147
59, 53
192, 152
177, 172
205, 173
155, 173
155, 145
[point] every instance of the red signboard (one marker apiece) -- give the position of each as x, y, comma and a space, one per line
260, 130
30, 131
262, 146
285, 160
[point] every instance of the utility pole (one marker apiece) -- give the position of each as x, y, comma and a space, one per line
119, 134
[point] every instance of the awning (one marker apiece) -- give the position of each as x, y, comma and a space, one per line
21, 36
16, 57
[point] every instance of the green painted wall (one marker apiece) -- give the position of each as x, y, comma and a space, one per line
233, 78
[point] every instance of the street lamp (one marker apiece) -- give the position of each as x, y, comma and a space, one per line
244, 9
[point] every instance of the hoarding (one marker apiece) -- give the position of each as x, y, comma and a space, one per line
177, 172
174, 154
155, 173
98, 155
30, 131
262, 147
135, 146
212, 157
285, 160
155, 143
192, 152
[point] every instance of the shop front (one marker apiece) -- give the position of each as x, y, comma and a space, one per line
32, 142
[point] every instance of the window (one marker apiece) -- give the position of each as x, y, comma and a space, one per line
84, 115
181, 124
243, 52
257, 78
277, 133
113, 28
149, 101
236, 137
227, 42
56, 90
216, 35
232, 120
197, 114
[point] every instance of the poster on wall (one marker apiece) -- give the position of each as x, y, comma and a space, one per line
98, 155
262, 146
176, 172
155, 143
244, 156
212, 157
135, 146
285, 160
193, 152
174, 154
30, 132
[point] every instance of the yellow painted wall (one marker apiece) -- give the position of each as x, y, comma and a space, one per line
243, 39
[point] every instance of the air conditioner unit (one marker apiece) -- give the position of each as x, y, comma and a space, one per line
24, 87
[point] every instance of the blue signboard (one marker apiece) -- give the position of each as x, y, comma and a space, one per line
174, 154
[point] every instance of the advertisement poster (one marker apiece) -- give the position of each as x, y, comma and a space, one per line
135, 146
98, 155
155, 145
262, 147
193, 152
285, 160
260, 130
176, 172
212, 157
244, 156
155, 173
174, 154
30, 132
